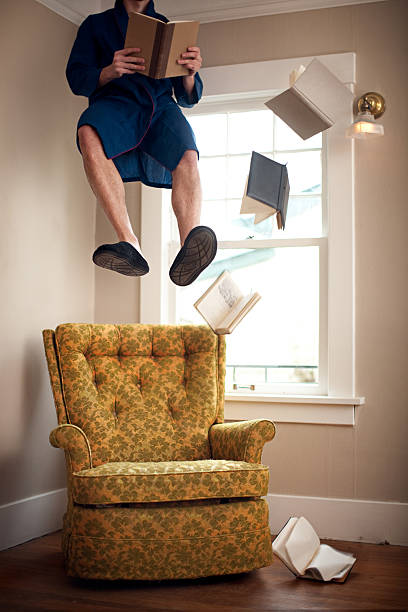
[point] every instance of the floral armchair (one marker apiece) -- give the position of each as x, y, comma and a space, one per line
158, 486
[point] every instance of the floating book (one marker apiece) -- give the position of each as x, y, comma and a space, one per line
314, 102
298, 546
267, 190
161, 43
224, 305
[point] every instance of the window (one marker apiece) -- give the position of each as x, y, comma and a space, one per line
276, 347
320, 226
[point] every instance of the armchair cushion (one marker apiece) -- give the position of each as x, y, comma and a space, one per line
126, 482
241, 441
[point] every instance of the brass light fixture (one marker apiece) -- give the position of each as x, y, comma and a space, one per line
370, 106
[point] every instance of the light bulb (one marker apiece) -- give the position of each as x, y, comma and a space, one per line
365, 127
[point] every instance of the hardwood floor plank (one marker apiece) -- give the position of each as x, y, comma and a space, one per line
32, 577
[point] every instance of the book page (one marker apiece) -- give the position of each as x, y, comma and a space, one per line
234, 312
219, 300
330, 563
278, 545
295, 74
302, 545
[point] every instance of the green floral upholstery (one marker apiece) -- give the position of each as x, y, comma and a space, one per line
242, 441
151, 393
73, 440
169, 481
158, 486
162, 541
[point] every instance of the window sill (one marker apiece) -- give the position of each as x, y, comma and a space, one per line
314, 409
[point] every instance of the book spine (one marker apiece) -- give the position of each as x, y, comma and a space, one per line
155, 60
325, 118
280, 201
163, 52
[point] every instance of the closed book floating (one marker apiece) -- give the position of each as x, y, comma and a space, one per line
314, 102
267, 190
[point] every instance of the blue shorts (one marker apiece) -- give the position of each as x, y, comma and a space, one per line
164, 140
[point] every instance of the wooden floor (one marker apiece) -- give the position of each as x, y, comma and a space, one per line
32, 577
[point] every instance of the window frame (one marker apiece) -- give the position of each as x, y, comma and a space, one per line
235, 84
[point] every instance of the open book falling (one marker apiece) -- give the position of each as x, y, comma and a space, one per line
224, 305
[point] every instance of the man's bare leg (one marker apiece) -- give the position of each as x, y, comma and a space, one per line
198, 243
186, 194
106, 184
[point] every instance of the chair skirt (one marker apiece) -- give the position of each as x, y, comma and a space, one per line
159, 541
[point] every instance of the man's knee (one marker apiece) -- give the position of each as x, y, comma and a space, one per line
189, 161
88, 139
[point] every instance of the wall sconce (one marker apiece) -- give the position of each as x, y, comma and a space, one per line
370, 106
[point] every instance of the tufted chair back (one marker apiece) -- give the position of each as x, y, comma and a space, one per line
139, 392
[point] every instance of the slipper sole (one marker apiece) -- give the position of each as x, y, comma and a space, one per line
197, 253
134, 265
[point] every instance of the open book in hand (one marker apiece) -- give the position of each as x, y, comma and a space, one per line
224, 305
161, 43
315, 100
298, 546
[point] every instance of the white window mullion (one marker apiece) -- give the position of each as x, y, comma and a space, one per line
341, 289
154, 287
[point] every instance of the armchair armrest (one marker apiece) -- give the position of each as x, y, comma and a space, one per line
74, 441
240, 441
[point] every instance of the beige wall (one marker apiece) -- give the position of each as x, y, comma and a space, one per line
117, 296
47, 236
368, 461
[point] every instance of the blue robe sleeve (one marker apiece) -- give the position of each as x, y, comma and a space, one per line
181, 95
83, 70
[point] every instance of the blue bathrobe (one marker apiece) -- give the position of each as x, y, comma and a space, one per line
141, 126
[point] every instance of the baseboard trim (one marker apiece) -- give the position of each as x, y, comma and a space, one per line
354, 520
32, 517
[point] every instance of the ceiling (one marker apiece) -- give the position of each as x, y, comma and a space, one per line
206, 12
222, 10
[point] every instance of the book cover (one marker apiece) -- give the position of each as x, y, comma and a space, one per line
267, 190
178, 36
223, 305
314, 102
161, 43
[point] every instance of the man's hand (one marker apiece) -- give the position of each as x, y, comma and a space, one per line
192, 60
123, 63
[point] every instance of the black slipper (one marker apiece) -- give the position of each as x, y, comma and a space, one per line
197, 252
121, 257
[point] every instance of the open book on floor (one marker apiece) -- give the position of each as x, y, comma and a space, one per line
267, 190
298, 546
224, 305
314, 102
161, 43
